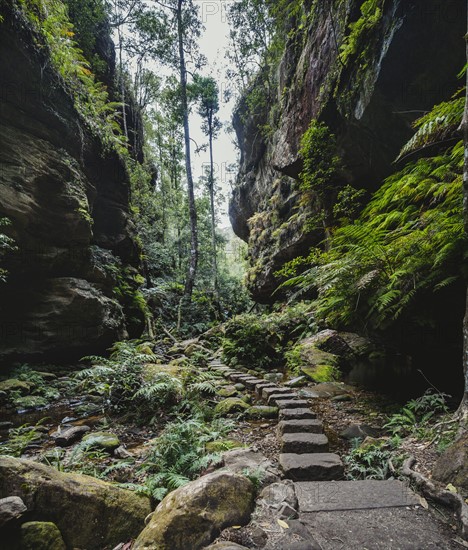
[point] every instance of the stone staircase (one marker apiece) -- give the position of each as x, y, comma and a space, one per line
304, 454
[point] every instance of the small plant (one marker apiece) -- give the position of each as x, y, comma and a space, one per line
179, 454
375, 461
415, 417
19, 439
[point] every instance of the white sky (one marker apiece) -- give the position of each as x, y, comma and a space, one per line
214, 44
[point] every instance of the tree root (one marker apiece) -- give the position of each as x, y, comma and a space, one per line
446, 498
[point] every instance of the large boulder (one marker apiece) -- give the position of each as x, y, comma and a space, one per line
452, 465
192, 516
89, 513
242, 461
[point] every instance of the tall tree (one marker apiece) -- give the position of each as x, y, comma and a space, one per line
207, 92
169, 33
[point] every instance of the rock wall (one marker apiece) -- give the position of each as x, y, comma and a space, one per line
67, 198
408, 63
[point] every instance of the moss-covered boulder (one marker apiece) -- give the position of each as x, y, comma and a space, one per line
152, 371
89, 513
105, 441
192, 516
14, 385
231, 405
227, 391
262, 411
321, 373
41, 535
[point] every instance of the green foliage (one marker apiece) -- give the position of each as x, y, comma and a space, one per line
120, 382
357, 41
416, 416
259, 340
373, 461
321, 163
436, 126
50, 19
19, 439
179, 454
409, 240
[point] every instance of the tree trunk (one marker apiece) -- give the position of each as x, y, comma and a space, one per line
463, 410
193, 259
213, 218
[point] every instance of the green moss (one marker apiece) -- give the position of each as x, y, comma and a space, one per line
322, 373
41, 535
230, 406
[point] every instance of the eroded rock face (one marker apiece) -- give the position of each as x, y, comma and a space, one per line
67, 198
194, 515
89, 513
410, 63
452, 466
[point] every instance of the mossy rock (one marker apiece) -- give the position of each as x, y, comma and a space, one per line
106, 441
192, 516
231, 405
89, 512
41, 535
16, 385
152, 370
262, 411
322, 373
222, 445
30, 402
227, 391
239, 386
145, 348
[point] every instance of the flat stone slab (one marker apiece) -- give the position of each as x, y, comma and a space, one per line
297, 414
291, 403
266, 392
302, 443
311, 467
280, 396
320, 496
251, 382
260, 387
378, 529
311, 426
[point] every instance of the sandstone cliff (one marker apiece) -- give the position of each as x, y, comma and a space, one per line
67, 197
408, 62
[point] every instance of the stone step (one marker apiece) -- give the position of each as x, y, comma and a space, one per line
235, 376
303, 443
324, 496
266, 392
251, 382
311, 467
291, 403
264, 384
280, 396
311, 426
297, 414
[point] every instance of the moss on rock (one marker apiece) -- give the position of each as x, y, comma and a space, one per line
41, 535
193, 516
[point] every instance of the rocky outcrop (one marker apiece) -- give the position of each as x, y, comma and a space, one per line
107, 515
193, 516
407, 62
67, 197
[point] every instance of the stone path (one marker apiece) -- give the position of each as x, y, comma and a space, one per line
304, 447
332, 514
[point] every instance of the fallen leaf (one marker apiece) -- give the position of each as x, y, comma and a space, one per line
236, 527
423, 503
282, 524
451, 488
460, 542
